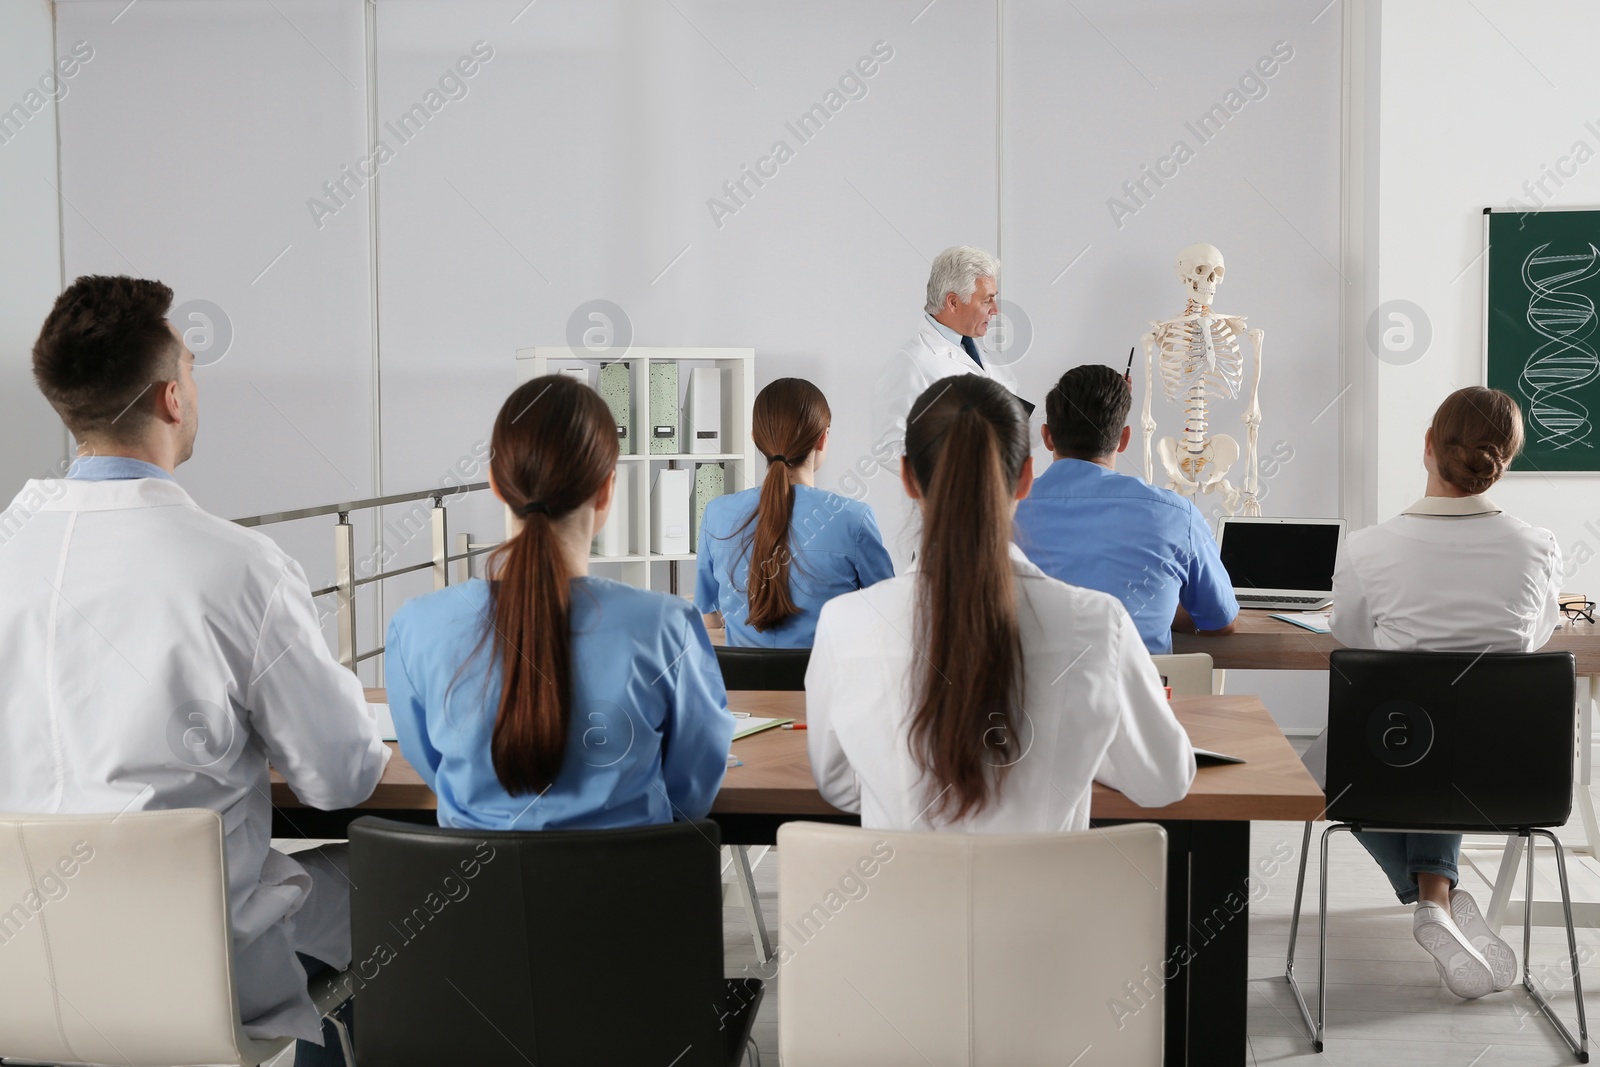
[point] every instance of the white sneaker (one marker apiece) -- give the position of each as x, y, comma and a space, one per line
1491, 946
1465, 971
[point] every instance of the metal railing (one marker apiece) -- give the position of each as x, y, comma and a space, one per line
347, 568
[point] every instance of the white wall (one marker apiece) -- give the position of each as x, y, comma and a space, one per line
1474, 103
32, 444
577, 161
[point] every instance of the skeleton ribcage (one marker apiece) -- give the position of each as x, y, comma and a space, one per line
1192, 371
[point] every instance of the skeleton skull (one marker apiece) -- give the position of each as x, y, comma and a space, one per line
1200, 269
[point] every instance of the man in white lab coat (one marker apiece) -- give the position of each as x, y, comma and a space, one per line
963, 295
158, 657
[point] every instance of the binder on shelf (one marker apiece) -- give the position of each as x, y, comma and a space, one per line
664, 409
702, 411
669, 511
710, 482
617, 390
612, 540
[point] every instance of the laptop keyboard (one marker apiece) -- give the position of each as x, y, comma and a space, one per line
1280, 599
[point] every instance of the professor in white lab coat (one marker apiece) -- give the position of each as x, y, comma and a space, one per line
963, 295
158, 657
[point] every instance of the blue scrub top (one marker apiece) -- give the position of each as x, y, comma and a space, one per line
1151, 548
648, 732
836, 549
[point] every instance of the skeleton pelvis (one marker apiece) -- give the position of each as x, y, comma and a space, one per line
1198, 470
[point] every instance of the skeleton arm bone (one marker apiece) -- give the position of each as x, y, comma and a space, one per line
1147, 424
1252, 414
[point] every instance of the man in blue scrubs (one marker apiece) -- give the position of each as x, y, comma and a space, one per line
1089, 526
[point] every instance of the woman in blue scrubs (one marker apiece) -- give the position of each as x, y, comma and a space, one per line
545, 698
811, 545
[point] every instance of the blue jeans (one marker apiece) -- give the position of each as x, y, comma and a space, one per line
1404, 856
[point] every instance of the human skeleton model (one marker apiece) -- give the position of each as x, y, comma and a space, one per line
1199, 357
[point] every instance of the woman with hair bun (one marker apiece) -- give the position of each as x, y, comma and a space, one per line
1452, 573
771, 556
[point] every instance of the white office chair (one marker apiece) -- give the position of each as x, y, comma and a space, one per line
115, 945
1189, 674
947, 948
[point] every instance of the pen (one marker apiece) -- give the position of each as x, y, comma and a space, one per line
1128, 374
793, 726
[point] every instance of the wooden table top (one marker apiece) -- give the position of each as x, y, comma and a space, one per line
1267, 644
776, 776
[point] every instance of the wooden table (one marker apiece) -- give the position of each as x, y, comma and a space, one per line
1262, 643
1208, 840
776, 777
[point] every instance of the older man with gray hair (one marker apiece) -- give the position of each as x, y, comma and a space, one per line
962, 298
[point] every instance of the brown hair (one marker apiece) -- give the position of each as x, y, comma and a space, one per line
1477, 432
104, 343
966, 442
1087, 410
787, 420
554, 446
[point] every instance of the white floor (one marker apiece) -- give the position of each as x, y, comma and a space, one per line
1386, 1003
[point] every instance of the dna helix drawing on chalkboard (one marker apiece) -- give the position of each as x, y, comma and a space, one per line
1565, 361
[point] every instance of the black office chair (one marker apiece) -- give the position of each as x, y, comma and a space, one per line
1449, 742
759, 668
763, 668
551, 947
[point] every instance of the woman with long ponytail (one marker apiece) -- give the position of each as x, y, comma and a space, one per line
771, 556
977, 693
545, 697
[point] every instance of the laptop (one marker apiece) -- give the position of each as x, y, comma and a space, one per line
1280, 563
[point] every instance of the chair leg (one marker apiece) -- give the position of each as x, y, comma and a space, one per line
1580, 1047
1294, 934
1322, 938
744, 881
346, 1046
752, 1053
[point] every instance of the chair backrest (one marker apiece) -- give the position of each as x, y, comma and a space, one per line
970, 948
570, 947
1472, 742
115, 943
763, 668
1188, 673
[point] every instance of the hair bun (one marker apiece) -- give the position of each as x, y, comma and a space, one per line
1471, 468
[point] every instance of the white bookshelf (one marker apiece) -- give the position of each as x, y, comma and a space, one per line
643, 566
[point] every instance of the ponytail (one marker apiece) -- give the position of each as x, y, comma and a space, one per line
532, 625
767, 585
966, 442
554, 447
787, 420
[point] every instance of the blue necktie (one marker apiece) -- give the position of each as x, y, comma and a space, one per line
972, 350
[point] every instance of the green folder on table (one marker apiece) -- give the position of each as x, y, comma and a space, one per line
751, 725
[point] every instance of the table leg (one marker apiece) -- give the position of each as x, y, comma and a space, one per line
1588, 690
1208, 938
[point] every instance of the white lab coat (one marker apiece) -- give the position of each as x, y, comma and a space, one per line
157, 657
921, 361
1093, 709
1449, 574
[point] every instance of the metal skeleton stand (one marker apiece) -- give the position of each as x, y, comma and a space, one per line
1316, 1028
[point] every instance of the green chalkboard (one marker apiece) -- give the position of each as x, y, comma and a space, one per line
1540, 340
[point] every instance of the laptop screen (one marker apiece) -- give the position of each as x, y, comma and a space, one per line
1280, 555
